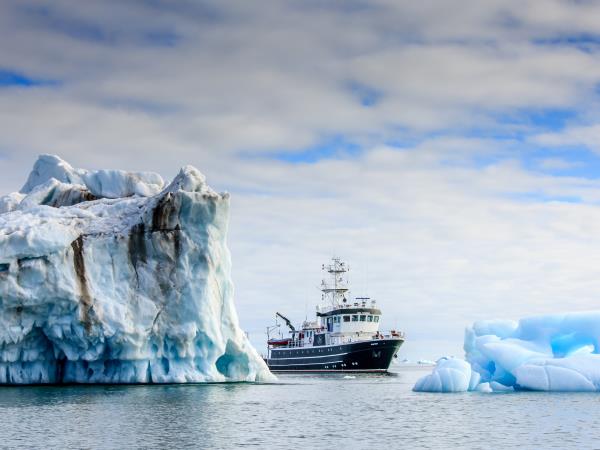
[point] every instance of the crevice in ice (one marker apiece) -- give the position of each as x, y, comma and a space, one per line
165, 214
161, 309
137, 247
86, 302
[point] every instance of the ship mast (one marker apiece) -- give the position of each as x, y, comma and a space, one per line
337, 286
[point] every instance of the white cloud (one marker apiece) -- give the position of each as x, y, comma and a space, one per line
558, 164
443, 245
445, 238
586, 135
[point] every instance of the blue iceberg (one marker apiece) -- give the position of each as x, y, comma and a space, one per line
558, 352
449, 375
118, 277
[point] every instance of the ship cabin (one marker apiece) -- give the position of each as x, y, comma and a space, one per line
350, 321
345, 323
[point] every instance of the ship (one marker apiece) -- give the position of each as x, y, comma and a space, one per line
344, 337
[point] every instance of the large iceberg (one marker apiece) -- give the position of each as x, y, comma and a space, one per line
545, 353
115, 277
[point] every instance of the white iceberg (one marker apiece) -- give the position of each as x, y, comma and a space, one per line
111, 277
546, 353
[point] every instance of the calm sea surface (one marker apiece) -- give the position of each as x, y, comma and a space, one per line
310, 412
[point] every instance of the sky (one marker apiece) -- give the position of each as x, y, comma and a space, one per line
448, 151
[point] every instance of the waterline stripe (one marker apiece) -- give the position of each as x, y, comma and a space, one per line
304, 364
310, 357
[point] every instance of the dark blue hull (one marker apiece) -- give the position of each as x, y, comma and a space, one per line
362, 356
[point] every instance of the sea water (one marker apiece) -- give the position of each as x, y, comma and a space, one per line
301, 411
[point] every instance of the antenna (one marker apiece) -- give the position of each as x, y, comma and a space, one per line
335, 289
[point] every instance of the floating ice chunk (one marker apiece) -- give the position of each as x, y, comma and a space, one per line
483, 387
499, 387
549, 353
449, 375
558, 352
426, 362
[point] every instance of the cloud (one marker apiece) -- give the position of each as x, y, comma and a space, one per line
557, 164
584, 135
421, 141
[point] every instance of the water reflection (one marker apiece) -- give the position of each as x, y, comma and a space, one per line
307, 411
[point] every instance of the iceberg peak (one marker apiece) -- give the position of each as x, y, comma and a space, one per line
189, 179
51, 166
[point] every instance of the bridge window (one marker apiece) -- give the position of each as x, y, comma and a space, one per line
354, 318
346, 318
363, 318
369, 318
376, 318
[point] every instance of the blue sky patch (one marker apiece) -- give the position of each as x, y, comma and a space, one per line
564, 161
366, 95
539, 197
551, 119
586, 42
336, 147
11, 78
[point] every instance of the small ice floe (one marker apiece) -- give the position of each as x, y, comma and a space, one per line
349, 377
449, 375
426, 362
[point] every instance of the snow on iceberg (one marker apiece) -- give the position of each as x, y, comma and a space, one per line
545, 353
99, 183
111, 277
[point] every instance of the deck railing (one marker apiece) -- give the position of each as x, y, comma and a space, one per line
393, 334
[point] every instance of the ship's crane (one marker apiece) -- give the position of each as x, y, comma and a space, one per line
287, 322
